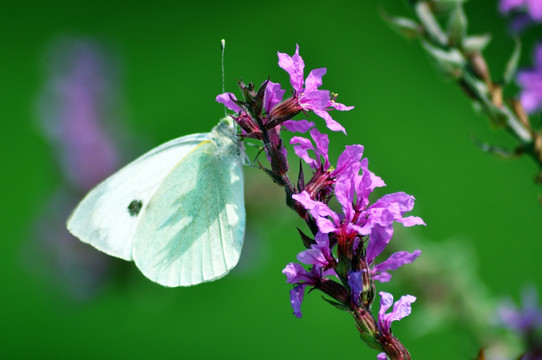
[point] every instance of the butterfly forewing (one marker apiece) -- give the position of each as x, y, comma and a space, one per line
108, 216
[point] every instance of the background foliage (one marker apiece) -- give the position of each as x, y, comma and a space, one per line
416, 129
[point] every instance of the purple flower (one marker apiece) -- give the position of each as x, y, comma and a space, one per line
381, 356
531, 83
320, 257
533, 7
525, 320
320, 149
401, 309
359, 218
307, 96
76, 109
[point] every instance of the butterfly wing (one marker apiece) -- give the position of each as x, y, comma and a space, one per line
193, 227
108, 216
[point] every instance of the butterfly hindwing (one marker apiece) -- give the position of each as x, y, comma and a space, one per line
192, 229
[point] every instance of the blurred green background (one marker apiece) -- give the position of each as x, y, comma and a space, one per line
416, 129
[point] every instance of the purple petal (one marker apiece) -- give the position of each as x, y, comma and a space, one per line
534, 8
525, 320
386, 300
294, 66
301, 126
378, 240
314, 80
295, 273
401, 308
397, 259
273, 96
312, 256
322, 146
330, 123
382, 277
356, 284
411, 221
322, 239
226, 99
304, 199
296, 298
301, 149
316, 99
366, 184
316, 207
326, 226
319, 211
344, 192
403, 200
381, 356
391, 207
340, 107
350, 157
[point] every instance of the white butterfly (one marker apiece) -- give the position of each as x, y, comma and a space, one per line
177, 211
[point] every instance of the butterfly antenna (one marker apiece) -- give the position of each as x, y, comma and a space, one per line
222, 48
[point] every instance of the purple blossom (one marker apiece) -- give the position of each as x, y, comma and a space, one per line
320, 257
382, 356
306, 92
76, 110
532, 7
527, 319
359, 218
401, 309
320, 149
531, 83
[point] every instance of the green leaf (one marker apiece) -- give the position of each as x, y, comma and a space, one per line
430, 23
404, 26
512, 65
475, 43
337, 305
457, 25
451, 62
371, 341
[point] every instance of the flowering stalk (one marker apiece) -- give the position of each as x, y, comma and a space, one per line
342, 247
459, 57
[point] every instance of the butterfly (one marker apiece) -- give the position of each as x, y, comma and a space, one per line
177, 211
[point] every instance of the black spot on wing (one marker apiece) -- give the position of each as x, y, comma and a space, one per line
135, 207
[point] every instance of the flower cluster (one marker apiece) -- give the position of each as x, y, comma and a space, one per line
343, 246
